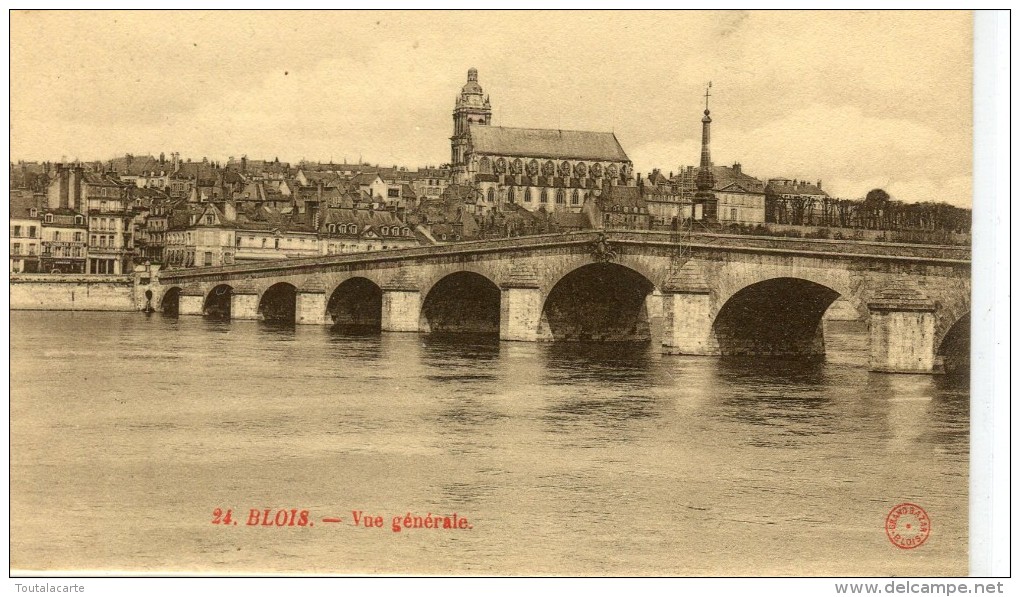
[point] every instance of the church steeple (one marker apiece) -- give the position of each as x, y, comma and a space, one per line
471, 108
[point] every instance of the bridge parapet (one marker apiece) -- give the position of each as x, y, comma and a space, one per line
623, 240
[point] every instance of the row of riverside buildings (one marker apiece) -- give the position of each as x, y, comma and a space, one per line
107, 217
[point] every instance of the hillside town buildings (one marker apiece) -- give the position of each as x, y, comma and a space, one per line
106, 217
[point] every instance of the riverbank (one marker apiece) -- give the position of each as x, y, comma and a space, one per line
86, 292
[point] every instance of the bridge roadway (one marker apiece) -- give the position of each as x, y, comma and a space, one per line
708, 295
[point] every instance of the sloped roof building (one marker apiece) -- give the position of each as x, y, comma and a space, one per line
556, 170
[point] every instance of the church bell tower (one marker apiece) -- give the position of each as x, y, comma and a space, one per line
472, 107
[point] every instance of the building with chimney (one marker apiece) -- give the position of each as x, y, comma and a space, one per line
740, 197
792, 201
26, 231
109, 207
719, 194
550, 169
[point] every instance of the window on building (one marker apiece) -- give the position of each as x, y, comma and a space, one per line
31, 232
544, 197
263, 243
208, 258
385, 230
77, 237
352, 229
16, 231
16, 249
31, 249
56, 235
561, 198
510, 195
276, 243
209, 220
33, 212
575, 199
527, 195
491, 196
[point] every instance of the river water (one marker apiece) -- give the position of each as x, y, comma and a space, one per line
127, 431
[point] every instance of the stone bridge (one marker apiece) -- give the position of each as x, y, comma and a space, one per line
703, 294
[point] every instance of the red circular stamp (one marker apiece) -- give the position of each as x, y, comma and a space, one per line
908, 526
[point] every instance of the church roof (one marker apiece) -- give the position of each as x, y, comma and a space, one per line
546, 143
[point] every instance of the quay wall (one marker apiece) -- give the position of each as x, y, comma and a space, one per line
61, 292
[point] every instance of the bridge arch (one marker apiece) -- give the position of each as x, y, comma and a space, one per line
217, 301
461, 302
355, 305
170, 302
779, 316
278, 303
953, 350
598, 302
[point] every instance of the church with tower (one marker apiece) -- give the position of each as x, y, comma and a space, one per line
548, 169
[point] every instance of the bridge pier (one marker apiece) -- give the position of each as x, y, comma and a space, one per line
654, 308
310, 305
191, 302
311, 308
401, 304
902, 331
244, 301
520, 306
687, 313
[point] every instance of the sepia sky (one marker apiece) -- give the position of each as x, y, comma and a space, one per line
857, 100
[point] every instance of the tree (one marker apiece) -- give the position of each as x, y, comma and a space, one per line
875, 206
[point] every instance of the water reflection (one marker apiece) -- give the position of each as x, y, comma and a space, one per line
570, 363
439, 347
648, 464
771, 372
601, 412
